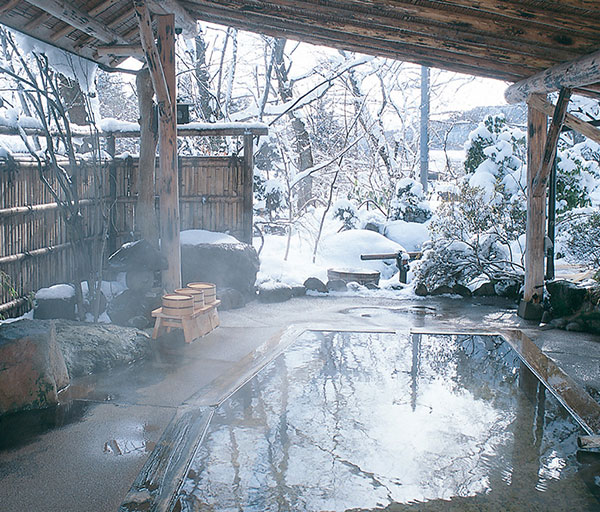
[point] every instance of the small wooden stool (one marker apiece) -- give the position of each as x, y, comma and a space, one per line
199, 323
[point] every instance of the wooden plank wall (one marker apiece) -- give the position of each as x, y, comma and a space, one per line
211, 197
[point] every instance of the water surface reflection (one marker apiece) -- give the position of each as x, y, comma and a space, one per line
346, 420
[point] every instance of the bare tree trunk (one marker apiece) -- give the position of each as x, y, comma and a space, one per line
302, 139
145, 213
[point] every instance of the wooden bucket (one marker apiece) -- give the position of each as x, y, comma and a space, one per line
209, 289
197, 295
177, 305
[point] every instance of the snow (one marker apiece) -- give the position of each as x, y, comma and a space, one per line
74, 67
201, 236
110, 124
28, 315
344, 250
58, 291
410, 235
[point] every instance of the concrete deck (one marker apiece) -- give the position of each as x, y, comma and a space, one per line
87, 455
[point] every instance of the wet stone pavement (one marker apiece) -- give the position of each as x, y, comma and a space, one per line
87, 453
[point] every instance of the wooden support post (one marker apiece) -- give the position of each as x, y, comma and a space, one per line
248, 177
145, 212
168, 189
540, 180
537, 123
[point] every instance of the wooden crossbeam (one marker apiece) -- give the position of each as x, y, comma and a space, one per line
78, 19
122, 50
540, 180
151, 53
579, 125
577, 73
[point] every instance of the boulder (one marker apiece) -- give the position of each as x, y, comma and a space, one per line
32, 368
484, 289
228, 265
461, 290
133, 308
315, 285
565, 297
90, 348
298, 291
274, 292
421, 290
57, 301
137, 256
230, 298
336, 285
442, 290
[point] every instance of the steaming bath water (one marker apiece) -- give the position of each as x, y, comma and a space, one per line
364, 421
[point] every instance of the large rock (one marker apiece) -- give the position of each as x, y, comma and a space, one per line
32, 367
565, 297
133, 308
137, 256
228, 265
274, 292
57, 301
90, 348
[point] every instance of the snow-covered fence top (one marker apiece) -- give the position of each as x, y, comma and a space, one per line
118, 129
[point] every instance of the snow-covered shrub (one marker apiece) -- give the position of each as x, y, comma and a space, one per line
472, 238
450, 263
409, 203
579, 238
345, 210
274, 195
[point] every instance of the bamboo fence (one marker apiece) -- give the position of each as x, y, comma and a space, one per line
35, 250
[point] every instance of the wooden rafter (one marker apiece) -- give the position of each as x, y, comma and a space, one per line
78, 19
574, 123
11, 4
102, 6
577, 73
540, 180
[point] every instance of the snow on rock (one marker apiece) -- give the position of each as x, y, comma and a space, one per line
58, 291
410, 235
344, 250
201, 236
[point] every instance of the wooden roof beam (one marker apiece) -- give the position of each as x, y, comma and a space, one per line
183, 19
65, 11
120, 50
440, 58
576, 124
577, 73
540, 180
